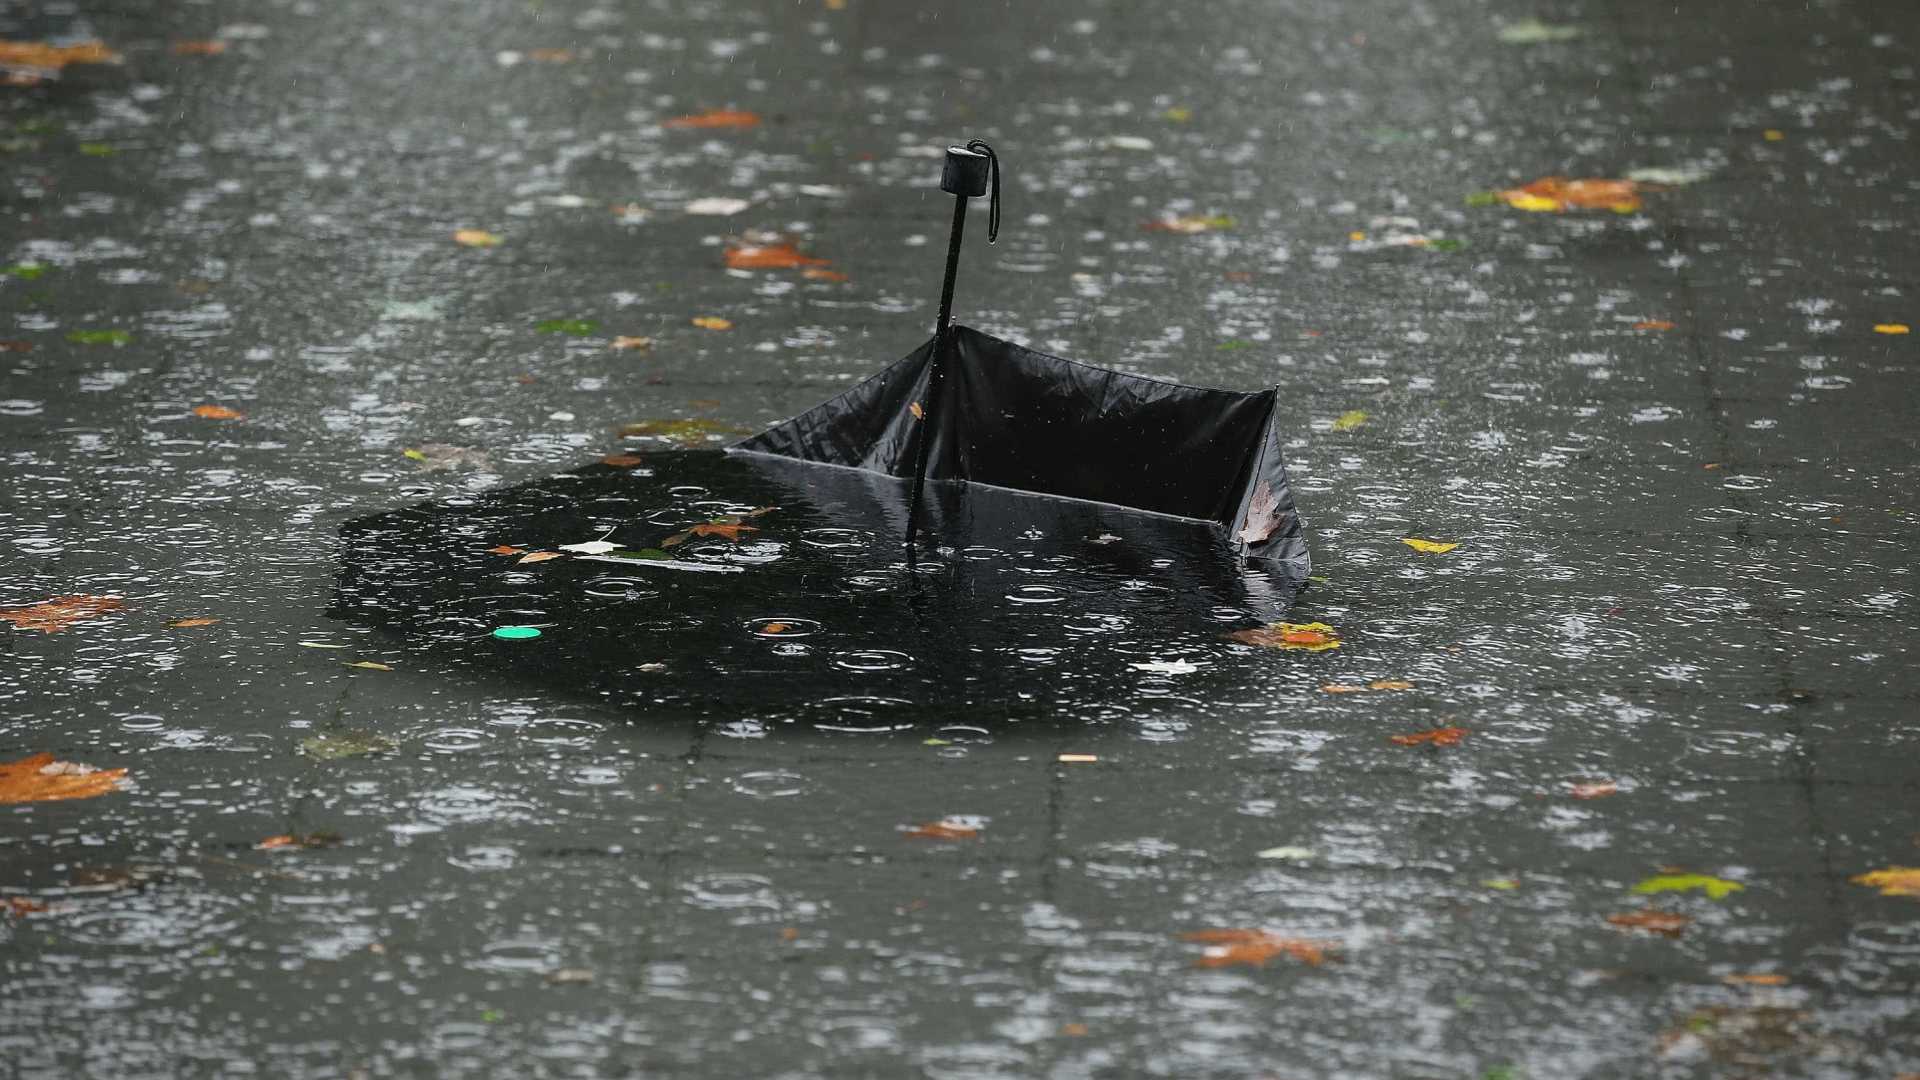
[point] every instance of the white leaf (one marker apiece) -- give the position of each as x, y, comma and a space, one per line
591, 547
1127, 142
1262, 517
1293, 854
1166, 667
717, 206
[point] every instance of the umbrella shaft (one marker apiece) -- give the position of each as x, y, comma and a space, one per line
953, 266
935, 371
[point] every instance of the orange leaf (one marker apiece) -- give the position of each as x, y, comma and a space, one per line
215, 412
713, 322
1073, 1031
1664, 923
1758, 978
769, 257
20, 905
1441, 736
296, 841
715, 118
55, 615
775, 628
537, 556
944, 829
199, 48
1557, 193
729, 529
36, 54
1653, 324
1596, 790
814, 273
1226, 948
506, 549
550, 56
1892, 881
1312, 637
187, 624
621, 461
41, 779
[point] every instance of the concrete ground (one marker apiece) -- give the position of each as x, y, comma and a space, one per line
1674, 443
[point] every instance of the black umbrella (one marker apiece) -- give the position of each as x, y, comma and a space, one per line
967, 407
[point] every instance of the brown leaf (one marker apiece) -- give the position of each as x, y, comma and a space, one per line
55, 615
1653, 324
1377, 684
479, 238
199, 48
13, 345
1263, 515
944, 829
622, 461
20, 906
729, 528
41, 779
769, 257
537, 556
1557, 193
550, 56
715, 118
815, 273
775, 628
38, 54
370, 665
636, 343
918, 412
1664, 923
506, 549
188, 624
216, 412
296, 841
1596, 790
1226, 948
1441, 736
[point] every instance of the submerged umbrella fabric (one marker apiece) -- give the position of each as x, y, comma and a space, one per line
1011, 417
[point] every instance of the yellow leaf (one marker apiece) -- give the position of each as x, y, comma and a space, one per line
1717, 888
475, 238
1536, 203
713, 322
1892, 328
1773, 135
1431, 547
1758, 978
1349, 420
41, 779
1389, 684
1893, 881
413, 455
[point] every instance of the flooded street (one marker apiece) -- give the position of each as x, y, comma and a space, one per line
364, 375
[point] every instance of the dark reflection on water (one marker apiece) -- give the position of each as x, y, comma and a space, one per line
796, 605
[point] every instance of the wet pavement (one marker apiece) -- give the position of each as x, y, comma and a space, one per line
1674, 443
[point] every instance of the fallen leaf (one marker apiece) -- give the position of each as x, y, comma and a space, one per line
712, 322
1758, 978
20, 906
1189, 224
550, 56
1892, 328
1179, 114
715, 118
1431, 547
692, 431
1558, 194
369, 665
590, 547
1077, 759
775, 628
1666, 176
39, 58
55, 615
1309, 637
1503, 884
1263, 515
626, 342
187, 624
1893, 881
716, 207
815, 273
216, 412
728, 528
16, 346
1291, 854
298, 841
951, 828
622, 461
40, 778
199, 48
1440, 736
335, 745
538, 557
570, 327
479, 238
768, 257
506, 549
1377, 684
569, 976
99, 337
1073, 1031
1225, 948
445, 457
1349, 420
1664, 923
320, 645
1653, 324
1596, 790
1773, 135
918, 412
1166, 667
1716, 888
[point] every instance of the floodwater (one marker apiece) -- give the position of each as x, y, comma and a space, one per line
817, 813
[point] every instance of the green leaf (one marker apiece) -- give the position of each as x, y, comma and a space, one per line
27, 271
414, 454
1483, 198
99, 337
335, 745
1445, 243
1716, 888
96, 149
573, 327
1232, 344
1350, 419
